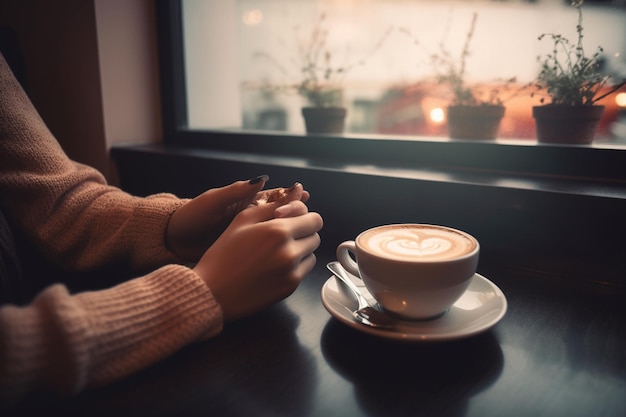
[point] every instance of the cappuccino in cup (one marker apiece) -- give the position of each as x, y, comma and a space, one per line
407, 242
415, 271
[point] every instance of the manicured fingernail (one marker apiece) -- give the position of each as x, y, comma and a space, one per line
264, 178
290, 189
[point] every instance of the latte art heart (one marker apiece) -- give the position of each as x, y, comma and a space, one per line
399, 245
423, 242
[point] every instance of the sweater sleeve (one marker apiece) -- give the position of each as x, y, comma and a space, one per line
63, 343
98, 224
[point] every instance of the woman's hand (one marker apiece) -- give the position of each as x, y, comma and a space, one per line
198, 223
261, 257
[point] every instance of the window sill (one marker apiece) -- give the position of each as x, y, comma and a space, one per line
561, 226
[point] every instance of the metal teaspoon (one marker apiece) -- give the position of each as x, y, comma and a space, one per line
365, 313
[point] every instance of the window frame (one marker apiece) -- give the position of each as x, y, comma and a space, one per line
577, 164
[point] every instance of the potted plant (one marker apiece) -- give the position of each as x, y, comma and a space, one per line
320, 79
574, 85
475, 110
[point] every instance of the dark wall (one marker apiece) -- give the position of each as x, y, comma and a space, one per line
90, 68
58, 47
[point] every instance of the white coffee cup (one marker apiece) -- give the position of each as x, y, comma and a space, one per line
415, 271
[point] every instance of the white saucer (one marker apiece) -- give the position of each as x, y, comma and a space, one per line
480, 308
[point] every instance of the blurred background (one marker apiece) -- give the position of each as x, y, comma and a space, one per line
242, 57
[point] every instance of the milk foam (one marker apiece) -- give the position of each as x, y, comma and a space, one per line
417, 242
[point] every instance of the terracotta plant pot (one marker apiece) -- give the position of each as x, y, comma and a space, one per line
474, 122
567, 124
324, 119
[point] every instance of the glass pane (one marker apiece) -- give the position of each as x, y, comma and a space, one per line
245, 60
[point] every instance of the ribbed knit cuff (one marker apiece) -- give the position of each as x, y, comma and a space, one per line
154, 213
140, 322
64, 342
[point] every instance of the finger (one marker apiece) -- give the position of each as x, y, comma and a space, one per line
302, 248
304, 225
295, 192
306, 245
258, 213
263, 212
262, 179
291, 209
238, 191
256, 185
305, 266
279, 195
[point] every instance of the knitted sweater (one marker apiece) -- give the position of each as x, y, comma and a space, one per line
64, 342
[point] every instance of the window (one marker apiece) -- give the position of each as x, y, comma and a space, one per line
217, 57
243, 56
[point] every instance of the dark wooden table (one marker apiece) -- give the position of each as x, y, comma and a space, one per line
559, 351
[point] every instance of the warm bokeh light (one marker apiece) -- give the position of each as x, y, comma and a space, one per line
437, 115
620, 99
252, 17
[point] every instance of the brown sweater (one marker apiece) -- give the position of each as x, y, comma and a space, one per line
65, 342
